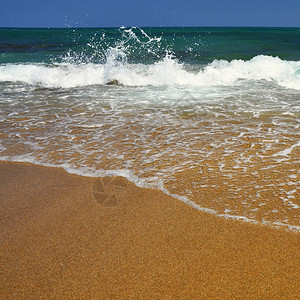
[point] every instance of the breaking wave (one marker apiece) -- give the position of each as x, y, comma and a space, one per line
165, 72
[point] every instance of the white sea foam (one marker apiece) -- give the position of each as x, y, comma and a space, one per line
287, 151
165, 72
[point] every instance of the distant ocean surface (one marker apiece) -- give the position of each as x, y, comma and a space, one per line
208, 115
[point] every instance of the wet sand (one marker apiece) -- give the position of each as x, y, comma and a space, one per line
59, 241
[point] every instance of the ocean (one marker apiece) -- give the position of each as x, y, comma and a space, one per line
207, 115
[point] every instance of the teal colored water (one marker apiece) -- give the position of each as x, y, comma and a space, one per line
208, 115
189, 45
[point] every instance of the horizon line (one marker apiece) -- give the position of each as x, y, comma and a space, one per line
123, 26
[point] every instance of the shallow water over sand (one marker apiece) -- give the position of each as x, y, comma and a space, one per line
231, 150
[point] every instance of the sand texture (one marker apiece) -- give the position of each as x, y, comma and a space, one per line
63, 237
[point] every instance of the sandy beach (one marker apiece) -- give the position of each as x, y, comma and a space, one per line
58, 241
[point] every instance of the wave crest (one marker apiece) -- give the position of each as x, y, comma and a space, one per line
165, 72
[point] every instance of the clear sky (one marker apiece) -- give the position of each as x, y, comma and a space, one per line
115, 13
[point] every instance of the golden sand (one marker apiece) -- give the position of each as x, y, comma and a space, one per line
57, 241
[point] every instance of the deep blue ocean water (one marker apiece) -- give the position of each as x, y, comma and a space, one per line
189, 45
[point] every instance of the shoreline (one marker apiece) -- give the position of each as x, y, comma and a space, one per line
183, 199
59, 241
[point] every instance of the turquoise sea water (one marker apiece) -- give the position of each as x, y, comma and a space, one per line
209, 115
189, 45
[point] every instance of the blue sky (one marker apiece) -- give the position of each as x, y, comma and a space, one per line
114, 13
